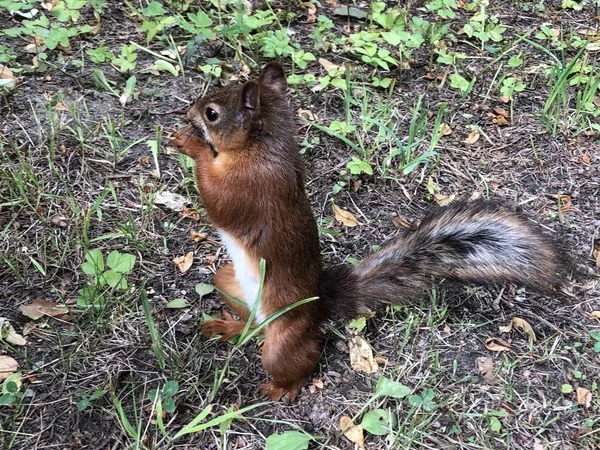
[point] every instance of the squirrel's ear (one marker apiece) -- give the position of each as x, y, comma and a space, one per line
273, 76
250, 95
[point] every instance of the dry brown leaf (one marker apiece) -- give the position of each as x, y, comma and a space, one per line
485, 366
60, 106
184, 263
443, 200
39, 308
504, 99
400, 222
500, 121
506, 328
595, 315
59, 220
345, 217
8, 333
446, 130
584, 397
8, 366
361, 355
190, 213
524, 325
354, 433
472, 138
311, 13
497, 344
501, 112
6, 74
144, 160
197, 236
307, 114
328, 65
585, 158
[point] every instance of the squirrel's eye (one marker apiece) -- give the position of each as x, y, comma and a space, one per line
211, 114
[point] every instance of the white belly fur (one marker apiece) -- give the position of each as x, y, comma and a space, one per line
245, 274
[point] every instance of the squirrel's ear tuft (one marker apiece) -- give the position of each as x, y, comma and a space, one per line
250, 95
273, 76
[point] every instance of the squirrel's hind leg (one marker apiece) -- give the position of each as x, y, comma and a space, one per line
290, 354
226, 282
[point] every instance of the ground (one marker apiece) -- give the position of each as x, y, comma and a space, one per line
78, 173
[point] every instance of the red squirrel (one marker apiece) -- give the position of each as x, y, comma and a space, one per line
251, 180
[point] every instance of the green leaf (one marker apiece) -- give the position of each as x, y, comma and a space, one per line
415, 400
115, 279
200, 19
459, 82
95, 257
177, 303
389, 388
595, 335
566, 388
7, 399
597, 347
204, 289
290, 440
161, 65
170, 388
120, 262
379, 422
358, 324
153, 394
168, 404
495, 424
153, 9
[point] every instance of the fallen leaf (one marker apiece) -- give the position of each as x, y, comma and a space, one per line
311, 13
144, 160
442, 199
506, 328
59, 220
39, 308
564, 202
500, 121
307, 114
328, 65
501, 112
345, 217
190, 213
585, 158
497, 345
354, 433
60, 106
524, 325
595, 315
485, 366
178, 303
361, 355
170, 200
184, 263
584, 397
8, 333
8, 366
504, 99
472, 138
197, 236
400, 222
446, 130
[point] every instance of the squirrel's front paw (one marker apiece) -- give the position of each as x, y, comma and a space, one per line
226, 328
275, 390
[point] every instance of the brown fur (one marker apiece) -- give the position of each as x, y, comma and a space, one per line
251, 180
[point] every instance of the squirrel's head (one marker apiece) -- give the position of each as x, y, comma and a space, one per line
234, 118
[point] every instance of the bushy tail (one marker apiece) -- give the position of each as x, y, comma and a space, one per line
477, 242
